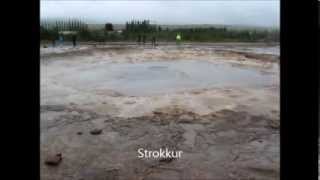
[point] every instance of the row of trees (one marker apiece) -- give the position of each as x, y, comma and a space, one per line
141, 27
224, 34
68, 25
134, 29
49, 30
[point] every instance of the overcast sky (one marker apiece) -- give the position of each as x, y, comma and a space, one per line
227, 12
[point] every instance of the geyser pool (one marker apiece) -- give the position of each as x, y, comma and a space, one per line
148, 78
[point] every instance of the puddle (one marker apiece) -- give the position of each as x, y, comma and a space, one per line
164, 77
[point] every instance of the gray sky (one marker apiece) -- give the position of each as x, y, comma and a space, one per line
227, 12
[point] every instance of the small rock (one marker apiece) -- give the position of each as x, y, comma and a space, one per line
166, 160
75, 113
196, 92
185, 118
274, 124
54, 160
130, 102
115, 94
86, 116
96, 131
112, 174
79, 133
157, 112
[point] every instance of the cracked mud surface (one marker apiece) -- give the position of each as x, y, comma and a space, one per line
224, 133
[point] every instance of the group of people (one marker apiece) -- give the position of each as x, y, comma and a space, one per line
61, 40
142, 39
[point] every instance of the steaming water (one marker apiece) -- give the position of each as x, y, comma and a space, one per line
164, 77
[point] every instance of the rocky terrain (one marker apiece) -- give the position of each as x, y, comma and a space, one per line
91, 131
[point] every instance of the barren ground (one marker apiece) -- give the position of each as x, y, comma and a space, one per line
225, 132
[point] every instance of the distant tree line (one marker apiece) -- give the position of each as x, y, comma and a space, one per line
134, 28
140, 26
64, 25
49, 30
224, 34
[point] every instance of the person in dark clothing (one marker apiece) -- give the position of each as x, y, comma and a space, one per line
74, 40
53, 42
139, 39
144, 39
153, 41
61, 39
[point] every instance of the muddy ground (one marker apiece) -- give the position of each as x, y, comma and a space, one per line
224, 132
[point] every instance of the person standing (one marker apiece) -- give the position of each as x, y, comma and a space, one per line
144, 39
60, 40
139, 39
53, 42
153, 41
178, 39
74, 40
